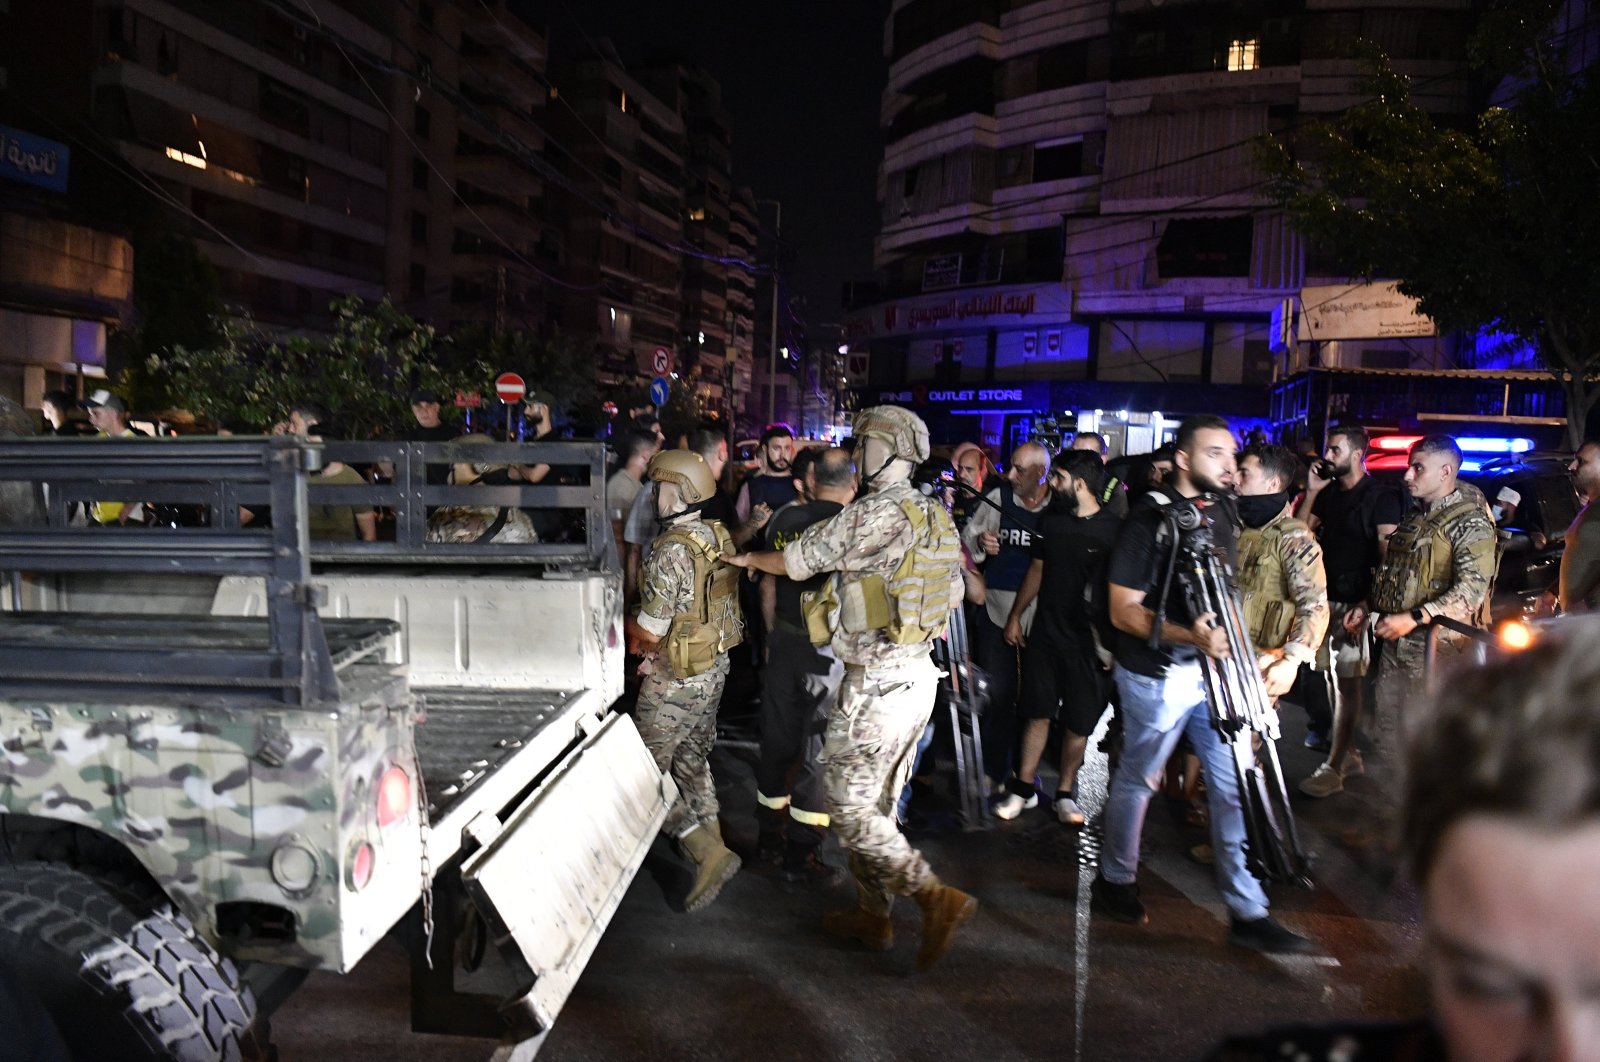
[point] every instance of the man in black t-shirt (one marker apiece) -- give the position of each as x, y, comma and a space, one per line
1353, 516
1163, 697
1063, 672
801, 683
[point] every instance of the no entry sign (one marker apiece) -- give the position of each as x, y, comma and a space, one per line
510, 387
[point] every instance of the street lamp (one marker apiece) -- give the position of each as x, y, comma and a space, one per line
772, 340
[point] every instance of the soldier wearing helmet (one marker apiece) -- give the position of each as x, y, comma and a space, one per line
688, 619
895, 560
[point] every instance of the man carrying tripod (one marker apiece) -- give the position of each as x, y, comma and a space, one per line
1164, 695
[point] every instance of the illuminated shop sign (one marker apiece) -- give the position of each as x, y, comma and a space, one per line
33, 159
1022, 306
1028, 396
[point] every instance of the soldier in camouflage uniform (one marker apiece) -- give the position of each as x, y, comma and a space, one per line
897, 559
688, 620
1440, 563
1281, 578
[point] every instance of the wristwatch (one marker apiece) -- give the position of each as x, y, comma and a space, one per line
1418, 617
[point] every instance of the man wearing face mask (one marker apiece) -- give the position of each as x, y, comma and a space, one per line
688, 619
1280, 569
897, 564
1063, 672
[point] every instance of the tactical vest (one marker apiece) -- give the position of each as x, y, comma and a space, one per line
911, 605
715, 623
1006, 569
1268, 609
1421, 561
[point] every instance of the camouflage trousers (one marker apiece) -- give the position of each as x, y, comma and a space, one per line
867, 759
677, 719
1400, 685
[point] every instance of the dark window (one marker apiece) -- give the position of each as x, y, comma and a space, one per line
419, 227
419, 175
1058, 161
1206, 247
425, 13
421, 121
419, 281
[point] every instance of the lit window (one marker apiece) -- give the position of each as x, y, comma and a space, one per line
697, 214
1244, 55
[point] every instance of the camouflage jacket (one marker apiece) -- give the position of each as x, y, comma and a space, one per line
1454, 588
666, 585
869, 537
1298, 586
469, 523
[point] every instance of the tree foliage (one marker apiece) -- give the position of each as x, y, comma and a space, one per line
362, 373
1491, 226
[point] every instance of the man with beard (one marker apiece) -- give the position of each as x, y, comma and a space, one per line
1280, 569
1353, 516
770, 488
1063, 672
1163, 695
896, 561
1440, 563
1112, 496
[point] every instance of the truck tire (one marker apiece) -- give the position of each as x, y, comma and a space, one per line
123, 974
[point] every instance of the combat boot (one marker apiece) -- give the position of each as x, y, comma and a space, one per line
944, 910
714, 866
872, 928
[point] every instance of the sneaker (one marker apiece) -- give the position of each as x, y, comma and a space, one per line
1266, 936
1316, 739
1120, 903
1324, 782
1068, 811
1353, 764
1013, 804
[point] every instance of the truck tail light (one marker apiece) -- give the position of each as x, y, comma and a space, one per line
361, 865
394, 796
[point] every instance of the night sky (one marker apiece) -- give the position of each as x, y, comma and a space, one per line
802, 80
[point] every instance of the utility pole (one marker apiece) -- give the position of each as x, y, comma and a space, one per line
772, 340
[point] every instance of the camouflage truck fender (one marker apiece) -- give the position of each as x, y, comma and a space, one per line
253, 821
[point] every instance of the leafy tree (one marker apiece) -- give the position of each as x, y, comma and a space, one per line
1493, 226
362, 373
176, 302
562, 364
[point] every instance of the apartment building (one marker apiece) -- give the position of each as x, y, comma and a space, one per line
1071, 205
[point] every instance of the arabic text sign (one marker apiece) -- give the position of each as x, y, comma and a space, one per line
1362, 311
33, 159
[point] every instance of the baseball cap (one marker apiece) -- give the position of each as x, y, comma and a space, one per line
425, 394
106, 399
540, 398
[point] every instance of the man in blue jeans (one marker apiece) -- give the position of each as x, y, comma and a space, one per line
1163, 695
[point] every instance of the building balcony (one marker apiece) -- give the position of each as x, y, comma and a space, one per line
503, 74
492, 24
499, 172
502, 218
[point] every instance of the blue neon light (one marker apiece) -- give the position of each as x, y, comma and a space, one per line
1487, 445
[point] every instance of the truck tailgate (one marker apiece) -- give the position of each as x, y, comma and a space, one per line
549, 875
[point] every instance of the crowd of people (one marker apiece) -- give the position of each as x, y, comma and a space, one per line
1056, 563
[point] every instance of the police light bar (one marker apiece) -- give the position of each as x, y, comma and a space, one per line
1470, 444
1399, 463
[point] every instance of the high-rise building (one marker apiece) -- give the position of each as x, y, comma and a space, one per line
270, 141
1073, 222
622, 208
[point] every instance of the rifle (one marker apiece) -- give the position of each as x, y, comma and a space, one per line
1240, 707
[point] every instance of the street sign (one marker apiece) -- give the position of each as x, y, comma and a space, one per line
510, 387
466, 401
659, 363
659, 390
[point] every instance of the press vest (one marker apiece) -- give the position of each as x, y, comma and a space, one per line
1421, 561
1005, 570
912, 604
714, 624
1268, 609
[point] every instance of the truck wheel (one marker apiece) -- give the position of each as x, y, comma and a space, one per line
122, 975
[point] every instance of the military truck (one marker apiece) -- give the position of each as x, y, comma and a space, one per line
234, 754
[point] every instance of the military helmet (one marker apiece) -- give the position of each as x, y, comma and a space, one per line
688, 470
902, 429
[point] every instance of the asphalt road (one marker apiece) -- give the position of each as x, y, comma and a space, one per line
1033, 976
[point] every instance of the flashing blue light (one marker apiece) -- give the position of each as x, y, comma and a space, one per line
1471, 464
1488, 445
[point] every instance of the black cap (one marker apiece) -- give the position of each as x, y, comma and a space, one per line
425, 394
